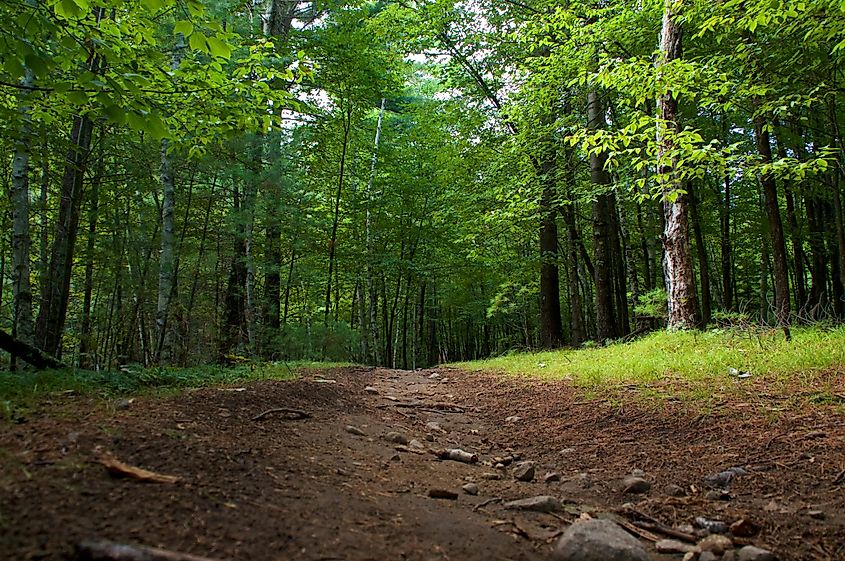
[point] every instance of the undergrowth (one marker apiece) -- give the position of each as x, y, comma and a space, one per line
687, 357
18, 388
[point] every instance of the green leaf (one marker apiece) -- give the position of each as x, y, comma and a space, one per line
77, 97
219, 48
198, 42
184, 27
115, 114
136, 121
156, 127
14, 67
153, 5
37, 64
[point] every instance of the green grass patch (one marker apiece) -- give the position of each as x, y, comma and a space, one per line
687, 356
24, 387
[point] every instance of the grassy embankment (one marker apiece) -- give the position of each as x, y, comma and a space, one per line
18, 388
697, 364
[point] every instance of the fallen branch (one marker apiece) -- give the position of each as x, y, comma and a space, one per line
482, 504
110, 551
120, 469
645, 534
292, 414
26, 352
665, 530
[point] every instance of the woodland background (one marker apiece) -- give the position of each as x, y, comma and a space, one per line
411, 182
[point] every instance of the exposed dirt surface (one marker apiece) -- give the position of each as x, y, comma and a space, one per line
282, 487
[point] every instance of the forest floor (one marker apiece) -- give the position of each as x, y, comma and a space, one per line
332, 485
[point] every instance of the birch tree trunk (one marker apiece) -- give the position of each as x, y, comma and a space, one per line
22, 327
680, 280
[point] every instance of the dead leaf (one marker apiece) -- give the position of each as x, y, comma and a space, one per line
120, 469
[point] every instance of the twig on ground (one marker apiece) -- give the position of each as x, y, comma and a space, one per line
293, 414
110, 551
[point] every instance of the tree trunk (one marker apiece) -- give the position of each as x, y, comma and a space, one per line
347, 127
22, 326
551, 328
88, 350
770, 201
703, 260
605, 319
680, 279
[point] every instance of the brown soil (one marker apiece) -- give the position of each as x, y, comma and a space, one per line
281, 488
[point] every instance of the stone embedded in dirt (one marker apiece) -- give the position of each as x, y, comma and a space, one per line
123, 404
712, 526
637, 473
355, 430
751, 553
396, 457
505, 461
598, 540
435, 426
675, 546
716, 543
433, 376
673, 490
635, 485
416, 445
524, 471
729, 555
371, 390
690, 556
470, 489
723, 479
491, 476
513, 419
442, 494
542, 503
551, 477
717, 495
397, 437
744, 528
458, 455
429, 438
708, 556
566, 451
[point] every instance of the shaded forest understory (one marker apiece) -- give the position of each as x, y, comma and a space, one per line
412, 183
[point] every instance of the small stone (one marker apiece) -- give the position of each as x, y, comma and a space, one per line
637, 473
429, 437
729, 555
513, 419
598, 540
433, 376
716, 543
744, 528
816, 514
470, 489
707, 556
491, 476
542, 503
751, 553
434, 426
371, 390
675, 546
416, 445
673, 490
524, 471
442, 494
355, 430
717, 495
566, 451
712, 526
122, 404
396, 457
397, 437
551, 477
635, 485
723, 479
689, 556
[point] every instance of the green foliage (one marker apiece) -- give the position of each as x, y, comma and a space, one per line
653, 304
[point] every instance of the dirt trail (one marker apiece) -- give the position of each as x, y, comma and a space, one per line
309, 489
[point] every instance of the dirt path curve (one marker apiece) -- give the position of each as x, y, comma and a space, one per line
314, 489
